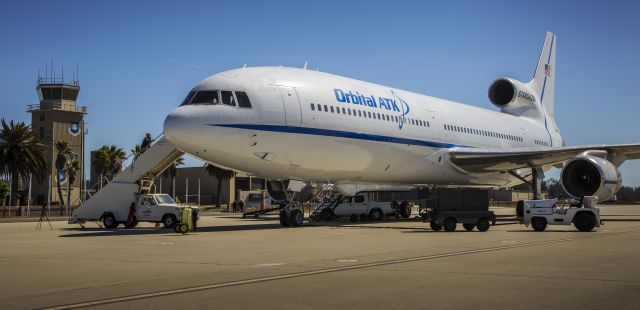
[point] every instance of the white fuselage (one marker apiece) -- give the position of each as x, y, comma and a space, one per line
315, 126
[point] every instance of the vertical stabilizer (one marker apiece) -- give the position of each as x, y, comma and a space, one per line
544, 77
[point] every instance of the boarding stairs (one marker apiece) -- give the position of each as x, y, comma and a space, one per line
116, 196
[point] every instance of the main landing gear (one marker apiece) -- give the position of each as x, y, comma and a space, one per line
291, 215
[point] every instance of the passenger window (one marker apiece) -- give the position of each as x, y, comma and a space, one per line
227, 98
359, 199
326, 109
359, 113
332, 109
338, 110
349, 110
313, 107
205, 97
185, 101
243, 100
343, 111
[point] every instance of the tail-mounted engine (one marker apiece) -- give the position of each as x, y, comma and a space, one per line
512, 96
587, 175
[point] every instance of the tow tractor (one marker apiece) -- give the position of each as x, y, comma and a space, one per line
584, 214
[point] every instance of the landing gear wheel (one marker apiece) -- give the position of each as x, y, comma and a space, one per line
584, 221
169, 221
110, 221
483, 224
405, 209
376, 215
469, 227
449, 224
353, 218
297, 218
326, 215
434, 226
284, 219
539, 223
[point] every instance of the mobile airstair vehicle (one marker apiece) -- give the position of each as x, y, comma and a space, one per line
111, 204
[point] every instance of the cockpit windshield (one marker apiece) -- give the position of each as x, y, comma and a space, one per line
210, 97
206, 97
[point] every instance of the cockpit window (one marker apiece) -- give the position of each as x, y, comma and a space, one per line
188, 98
227, 98
243, 99
206, 97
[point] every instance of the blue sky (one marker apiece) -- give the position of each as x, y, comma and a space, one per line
138, 59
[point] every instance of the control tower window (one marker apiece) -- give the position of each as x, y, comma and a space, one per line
206, 97
227, 97
243, 99
188, 98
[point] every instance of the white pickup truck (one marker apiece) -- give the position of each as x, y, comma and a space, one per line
361, 207
155, 208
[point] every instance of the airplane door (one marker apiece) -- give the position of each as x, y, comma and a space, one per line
292, 110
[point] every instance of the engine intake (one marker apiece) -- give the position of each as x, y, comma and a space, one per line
587, 175
502, 92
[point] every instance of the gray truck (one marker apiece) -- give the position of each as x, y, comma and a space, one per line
449, 207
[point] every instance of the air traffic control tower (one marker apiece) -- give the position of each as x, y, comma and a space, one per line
57, 117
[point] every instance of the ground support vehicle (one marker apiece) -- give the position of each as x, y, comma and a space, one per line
155, 208
584, 214
468, 207
361, 207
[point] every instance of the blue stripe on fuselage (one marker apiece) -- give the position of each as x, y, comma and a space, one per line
339, 134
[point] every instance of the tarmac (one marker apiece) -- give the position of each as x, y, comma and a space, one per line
235, 263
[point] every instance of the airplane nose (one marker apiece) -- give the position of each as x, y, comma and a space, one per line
175, 125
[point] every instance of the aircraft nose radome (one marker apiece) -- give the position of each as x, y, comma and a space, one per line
174, 125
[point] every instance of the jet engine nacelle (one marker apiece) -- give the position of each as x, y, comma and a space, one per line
587, 175
298, 190
506, 92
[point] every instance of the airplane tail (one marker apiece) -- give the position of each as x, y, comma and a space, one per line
543, 82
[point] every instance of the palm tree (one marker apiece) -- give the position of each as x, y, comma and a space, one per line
72, 170
221, 175
62, 149
172, 171
108, 160
21, 154
136, 151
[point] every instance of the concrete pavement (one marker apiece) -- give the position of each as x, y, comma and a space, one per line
234, 263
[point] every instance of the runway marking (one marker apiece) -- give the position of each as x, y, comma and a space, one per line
269, 264
321, 271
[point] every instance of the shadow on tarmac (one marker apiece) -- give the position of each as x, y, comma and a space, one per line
104, 232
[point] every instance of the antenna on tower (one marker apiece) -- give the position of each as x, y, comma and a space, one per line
305, 65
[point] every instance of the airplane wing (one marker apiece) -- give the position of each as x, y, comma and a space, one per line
494, 160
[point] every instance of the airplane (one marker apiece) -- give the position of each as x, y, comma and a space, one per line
297, 127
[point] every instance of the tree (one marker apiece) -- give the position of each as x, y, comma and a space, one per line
554, 188
220, 175
21, 155
62, 150
136, 151
73, 166
108, 160
4, 191
172, 171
